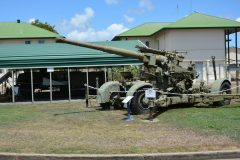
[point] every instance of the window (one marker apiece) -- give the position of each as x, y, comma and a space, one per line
27, 42
147, 43
41, 41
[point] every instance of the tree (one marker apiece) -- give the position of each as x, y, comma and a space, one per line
45, 25
116, 72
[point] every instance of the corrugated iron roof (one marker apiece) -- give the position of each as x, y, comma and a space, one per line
63, 55
192, 21
10, 30
146, 29
199, 20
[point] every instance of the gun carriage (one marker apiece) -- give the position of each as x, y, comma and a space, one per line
163, 73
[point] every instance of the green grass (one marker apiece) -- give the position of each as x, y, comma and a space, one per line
223, 120
10, 114
73, 128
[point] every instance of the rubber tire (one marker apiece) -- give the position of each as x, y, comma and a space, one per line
224, 86
105, 106
137, 107
118, 104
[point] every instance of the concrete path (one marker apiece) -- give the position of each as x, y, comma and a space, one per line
212, 155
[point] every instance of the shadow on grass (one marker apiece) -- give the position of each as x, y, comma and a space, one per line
184, 106
160, 110
157, 111
109, 109
77, 112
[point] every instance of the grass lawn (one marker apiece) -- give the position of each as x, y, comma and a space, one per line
222, 120
72, 128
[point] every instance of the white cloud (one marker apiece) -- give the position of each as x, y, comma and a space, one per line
81, 19
110, 2
128, 18
92, 35
238, 19
146, 5
79, 28
31, 20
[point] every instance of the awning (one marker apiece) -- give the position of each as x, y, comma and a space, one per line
16, 56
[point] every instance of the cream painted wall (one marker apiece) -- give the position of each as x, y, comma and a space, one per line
15, 41
200, 44
162, 40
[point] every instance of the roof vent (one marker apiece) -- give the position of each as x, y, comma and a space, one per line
18, 21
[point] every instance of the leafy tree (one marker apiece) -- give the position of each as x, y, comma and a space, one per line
45, 25
116, 72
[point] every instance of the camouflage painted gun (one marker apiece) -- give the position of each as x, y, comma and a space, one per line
162, 71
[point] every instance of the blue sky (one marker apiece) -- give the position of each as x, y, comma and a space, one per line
94, 20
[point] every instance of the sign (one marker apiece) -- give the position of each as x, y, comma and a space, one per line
127, 99
50, 69
150, 93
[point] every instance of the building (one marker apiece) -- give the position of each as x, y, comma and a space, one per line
21, 32
36, 66
24, 33
57, 71
200, 35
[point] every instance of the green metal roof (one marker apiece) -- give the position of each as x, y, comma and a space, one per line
63, 55
193, 21
10, 30
146, 29
198, 20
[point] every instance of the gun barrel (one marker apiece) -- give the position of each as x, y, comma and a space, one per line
112, 50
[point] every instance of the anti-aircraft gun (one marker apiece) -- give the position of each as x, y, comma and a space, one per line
163, 73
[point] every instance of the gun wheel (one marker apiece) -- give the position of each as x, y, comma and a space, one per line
115, 101
226, 89
139, 105
105, 106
